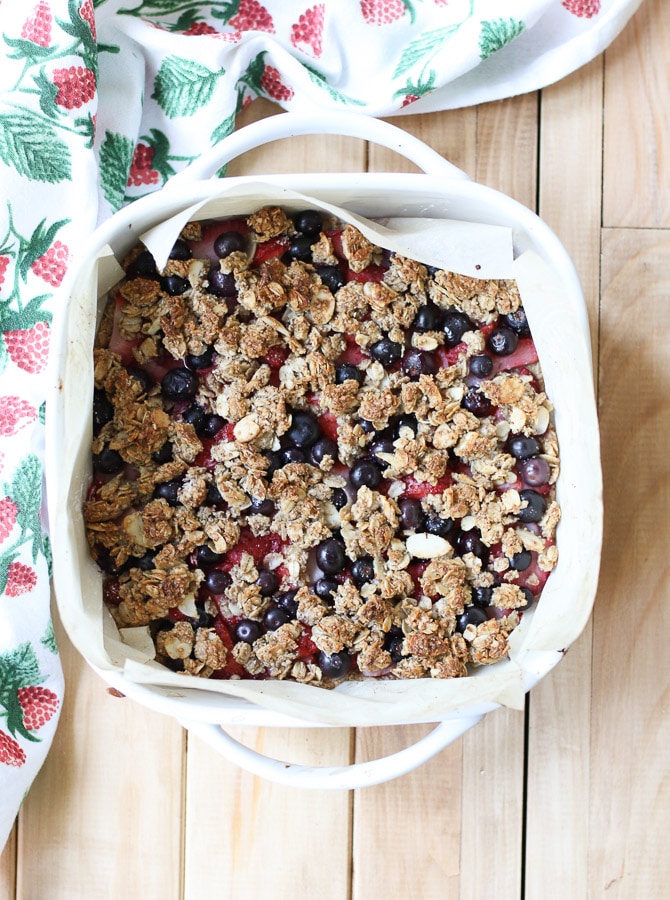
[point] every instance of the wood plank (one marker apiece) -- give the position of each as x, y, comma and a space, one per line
310, 153
407, 832
493, 767
493, 752
476, 141
507, 147
245, 837
8, 867
559, 711
630, 725
109, 794
245, 826
637, 122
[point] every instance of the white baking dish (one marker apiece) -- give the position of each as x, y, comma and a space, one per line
442, 192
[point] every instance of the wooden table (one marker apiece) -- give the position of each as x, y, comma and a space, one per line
569, 799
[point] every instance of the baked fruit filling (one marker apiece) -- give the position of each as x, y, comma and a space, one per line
317, 460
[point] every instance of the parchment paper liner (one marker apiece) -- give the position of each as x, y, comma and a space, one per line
556, 322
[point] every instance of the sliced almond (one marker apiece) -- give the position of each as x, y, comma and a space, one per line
427, 546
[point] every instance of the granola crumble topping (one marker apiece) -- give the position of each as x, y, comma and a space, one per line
312, 461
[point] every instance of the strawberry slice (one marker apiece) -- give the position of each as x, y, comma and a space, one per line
232, 669
270, 250
417, 489
524, 355
353, 354
328, 425
370, 273
307, 649
258, 547
449, 357
276, 356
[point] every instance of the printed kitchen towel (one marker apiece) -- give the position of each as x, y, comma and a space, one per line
100, 103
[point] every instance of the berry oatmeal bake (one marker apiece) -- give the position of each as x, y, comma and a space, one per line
318, 460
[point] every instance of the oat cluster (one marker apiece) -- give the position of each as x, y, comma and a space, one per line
276, 349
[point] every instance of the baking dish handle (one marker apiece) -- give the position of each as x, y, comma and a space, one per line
285, 125
326, 778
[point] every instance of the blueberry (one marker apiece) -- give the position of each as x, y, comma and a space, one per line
325, 588
363, 571
418, 362
292, 455
195, 415
261, 507
174, 285
267, 582
221, 284
275, 462
348, 372
393, 643
275, 617
330, 556
382, 445
339, 498
229, 242
199, 361
502, 341
143, 266
386, 351
454, 326
204, 619
437, 525
428, 318
180, 250
214, 497
248, 631
109, 462
300, 247
168, 490
530, 599
146, 563
365, 473
520, 561
411, 514
206, 556
367, 426
322, 448
288, 602
335, 666
481, 366
304, 429
473, 615
536, 506
217, 581
103, 409
534, 471
164, 455
331, 276
481, 596
142, 376
471, 542
518, 322
212, 425
309, 221
522, 447
107, 564
407, 421
476, 403
179, 384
